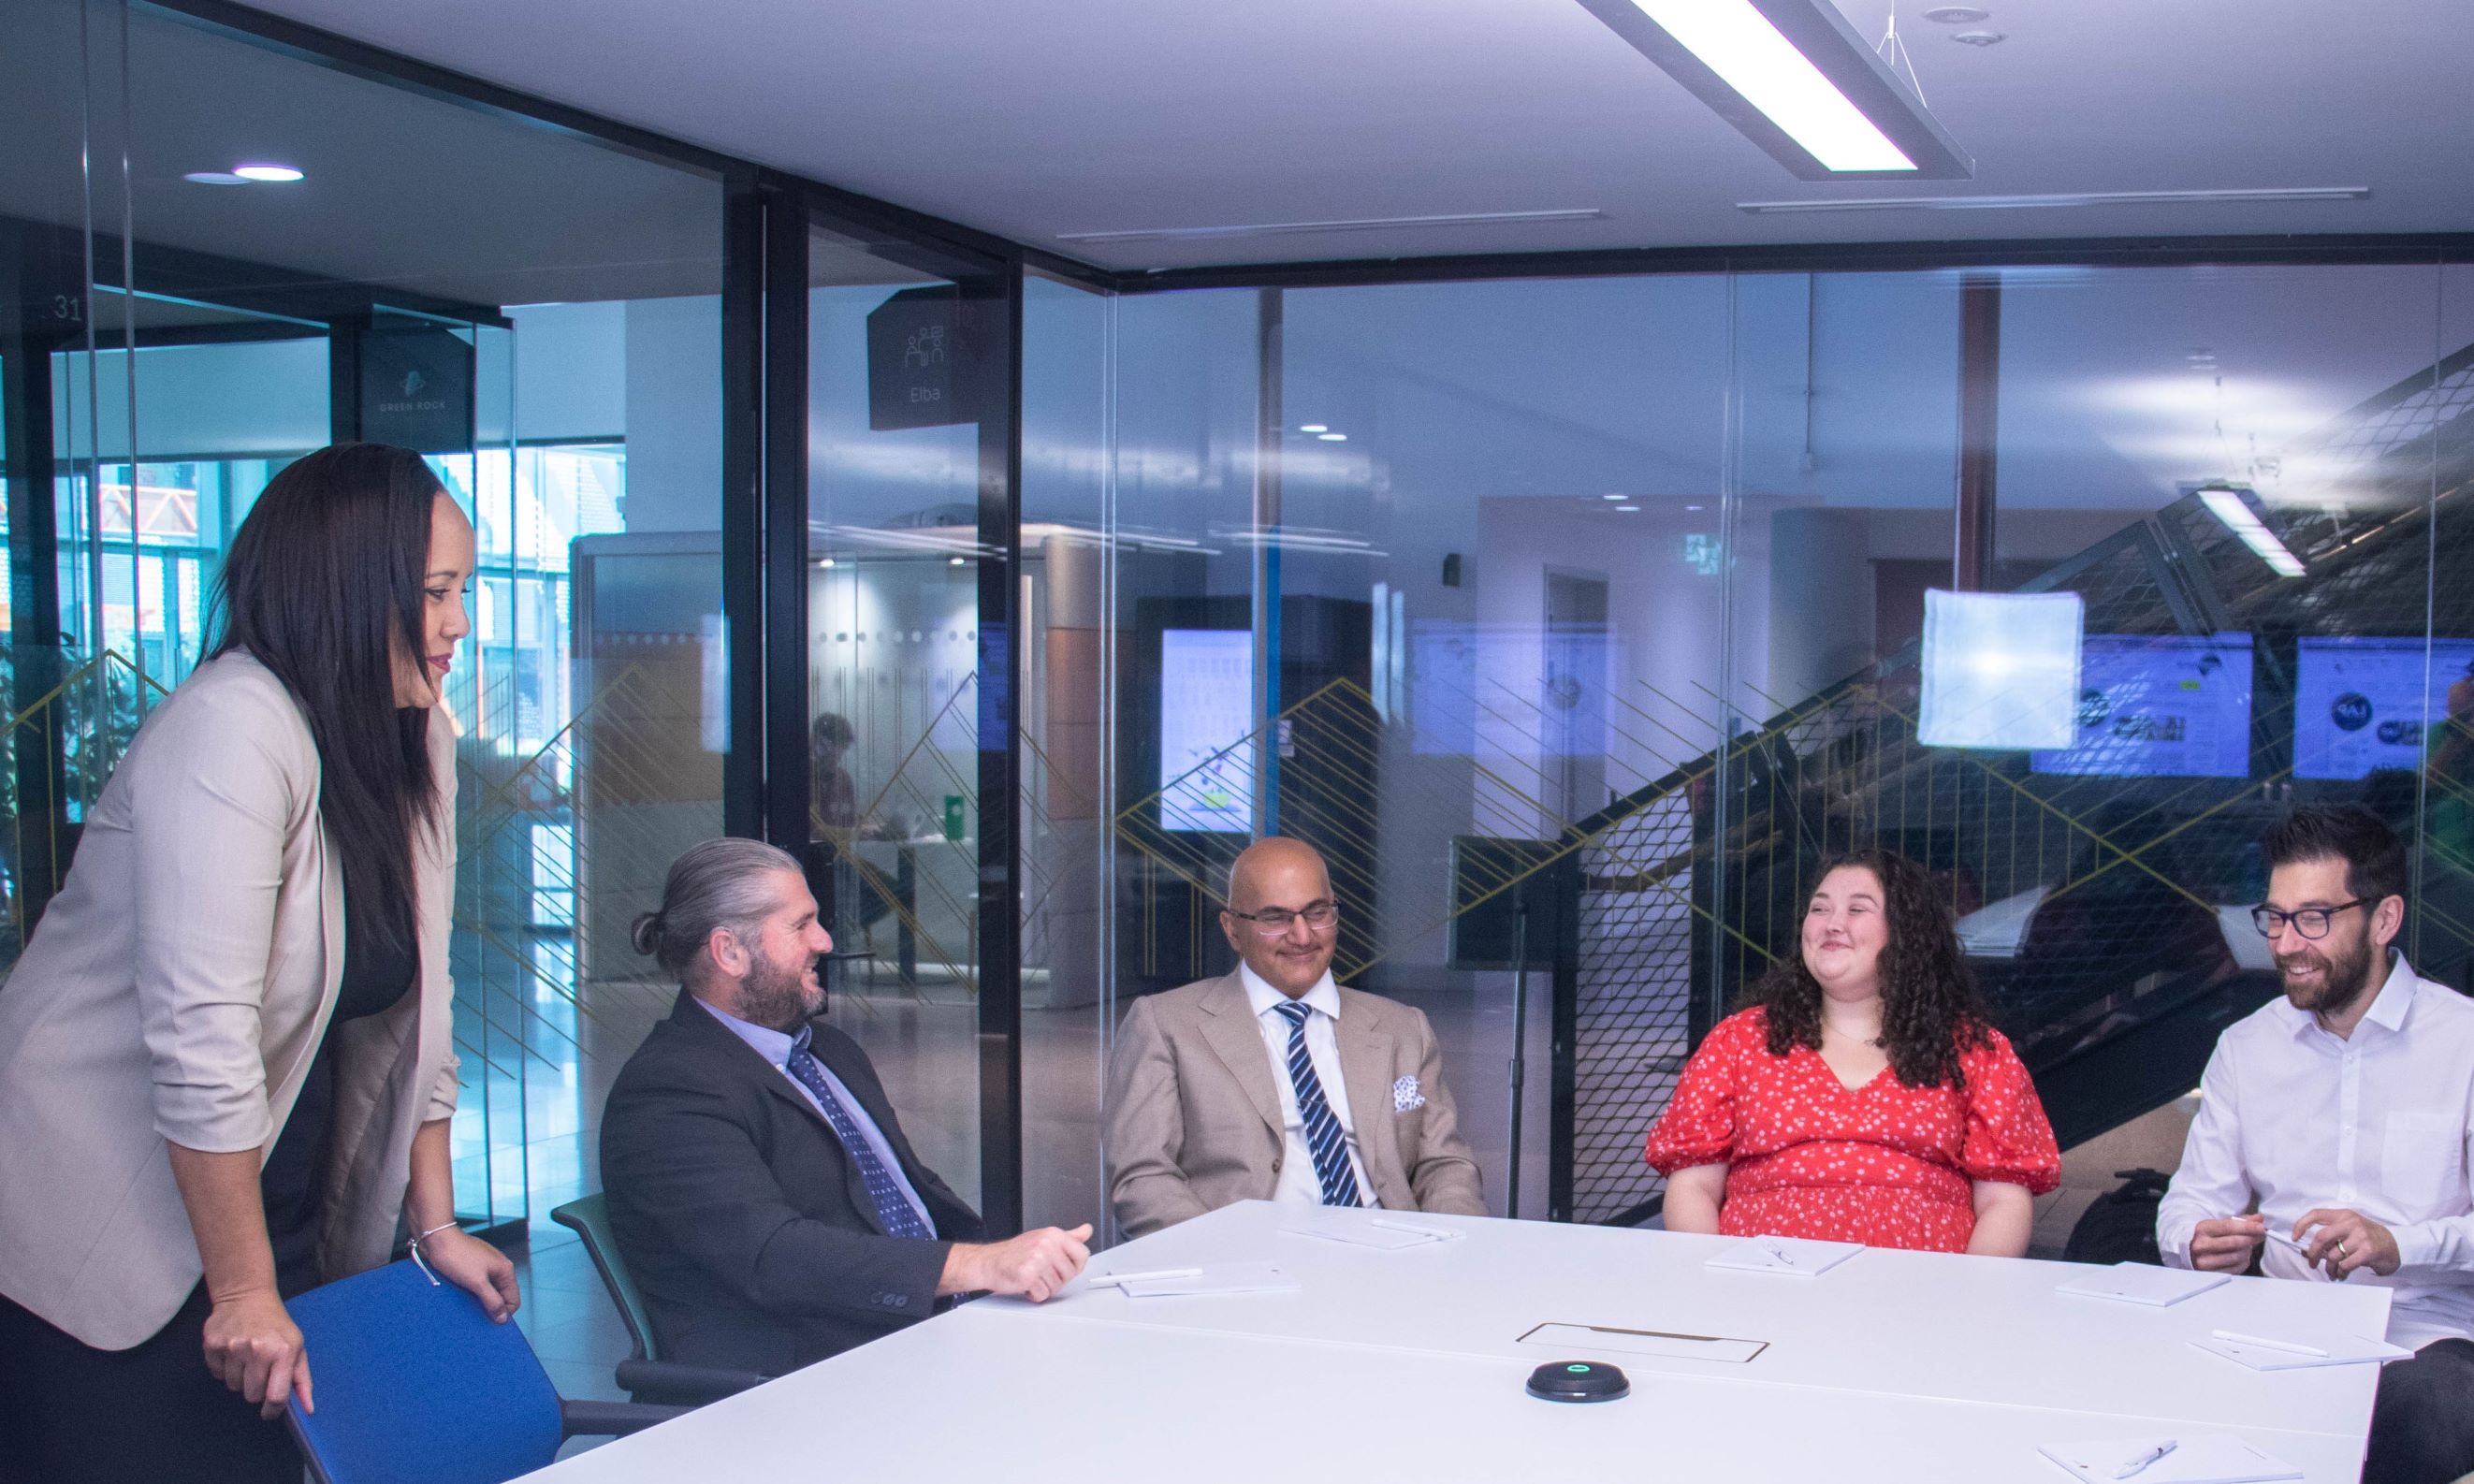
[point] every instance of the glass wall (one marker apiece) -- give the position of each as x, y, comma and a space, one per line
1578, 620
893, 694
536, 314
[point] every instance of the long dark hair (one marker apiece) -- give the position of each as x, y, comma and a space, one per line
1930, 1007
322, 586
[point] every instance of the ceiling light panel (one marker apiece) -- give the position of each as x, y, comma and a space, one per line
2111, 198
1797, 81
1352, 224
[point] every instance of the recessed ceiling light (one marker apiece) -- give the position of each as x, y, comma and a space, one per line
827, 562
1629, 509
1333, 437
1978, 38
1958, 15
1314, 427
214, 178
1615, 496
1795, 78
956, 561
272, 175
1693, 507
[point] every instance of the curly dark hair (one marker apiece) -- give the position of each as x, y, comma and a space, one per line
1930, 1007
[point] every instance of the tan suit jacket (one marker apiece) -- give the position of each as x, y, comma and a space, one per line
1193, 1117
177, 990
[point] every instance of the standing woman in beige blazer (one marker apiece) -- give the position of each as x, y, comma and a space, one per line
225, 1059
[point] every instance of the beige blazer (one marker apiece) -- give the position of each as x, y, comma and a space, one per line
177, 989
1193, 1117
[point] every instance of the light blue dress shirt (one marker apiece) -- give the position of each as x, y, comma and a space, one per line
775, 1048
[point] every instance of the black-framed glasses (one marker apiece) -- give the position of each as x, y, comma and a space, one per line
1271, 921
2309, 921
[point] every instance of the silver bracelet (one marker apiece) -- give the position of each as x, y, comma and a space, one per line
412, 1249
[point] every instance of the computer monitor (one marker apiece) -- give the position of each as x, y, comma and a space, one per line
1206, 730
2365, 704
2159, 706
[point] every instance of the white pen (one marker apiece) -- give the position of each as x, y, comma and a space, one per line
1777, 1252
1119, 1280
2264, 1342
2140, 1464
1403, 1225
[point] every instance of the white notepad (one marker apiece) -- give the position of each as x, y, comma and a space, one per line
1358, 1232
1228, 1277
2140, 1282
2344, 1349
1798, 1257
2197, 1458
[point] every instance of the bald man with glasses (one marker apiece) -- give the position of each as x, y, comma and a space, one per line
1273, 1082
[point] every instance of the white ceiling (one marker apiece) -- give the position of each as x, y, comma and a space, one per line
1038, 121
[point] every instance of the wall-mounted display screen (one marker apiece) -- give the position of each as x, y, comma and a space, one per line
2159, 706
2362, 704
1208, 729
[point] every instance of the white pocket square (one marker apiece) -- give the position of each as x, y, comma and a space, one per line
1406, 1096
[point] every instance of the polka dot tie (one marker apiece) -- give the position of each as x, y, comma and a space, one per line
893, 1210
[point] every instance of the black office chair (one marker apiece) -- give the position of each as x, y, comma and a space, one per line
644, 1376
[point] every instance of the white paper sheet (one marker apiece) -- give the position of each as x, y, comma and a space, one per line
2140, 1282
1228, 1277
1794, 1256
1359, 1231
2344, 1349
2197, 1458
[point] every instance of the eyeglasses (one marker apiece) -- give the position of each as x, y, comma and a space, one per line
1272, 921
2309, 921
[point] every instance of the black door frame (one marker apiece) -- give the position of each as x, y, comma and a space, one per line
766, 556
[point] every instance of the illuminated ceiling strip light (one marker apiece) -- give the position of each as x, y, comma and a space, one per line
2107, 198
1793, 76
2226, 504
1357, 224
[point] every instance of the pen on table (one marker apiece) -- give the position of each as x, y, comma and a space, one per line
1403, 1225
1119, 1280
2140, 1464
2264, 1342
1777, 1252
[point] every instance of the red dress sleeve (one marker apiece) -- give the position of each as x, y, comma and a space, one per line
1699, 1124
2008, 1138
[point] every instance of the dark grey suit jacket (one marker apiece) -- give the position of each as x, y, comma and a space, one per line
739, 1213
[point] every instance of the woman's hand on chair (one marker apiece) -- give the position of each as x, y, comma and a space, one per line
477, 1268
254, 1346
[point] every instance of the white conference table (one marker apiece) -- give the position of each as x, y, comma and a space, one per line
1893, 1322
1892, 1367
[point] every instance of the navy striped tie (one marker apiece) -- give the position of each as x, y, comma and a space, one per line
1324, 1134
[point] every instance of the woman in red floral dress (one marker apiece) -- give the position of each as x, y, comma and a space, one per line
1863, 1096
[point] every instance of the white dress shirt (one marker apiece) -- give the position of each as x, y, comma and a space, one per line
2293, 1118
1300, 1185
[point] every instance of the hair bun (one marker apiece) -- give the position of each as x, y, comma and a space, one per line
646, 934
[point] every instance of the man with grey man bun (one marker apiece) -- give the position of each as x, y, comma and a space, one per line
760, 1187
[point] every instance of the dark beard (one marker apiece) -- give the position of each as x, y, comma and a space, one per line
2347, 981
774, 998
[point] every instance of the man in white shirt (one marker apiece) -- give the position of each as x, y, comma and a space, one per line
2334, 1126
1274, 1083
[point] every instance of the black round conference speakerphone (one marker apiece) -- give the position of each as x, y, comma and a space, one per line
1578, 1380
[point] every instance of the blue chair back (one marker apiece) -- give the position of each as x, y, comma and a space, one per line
415, 1385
